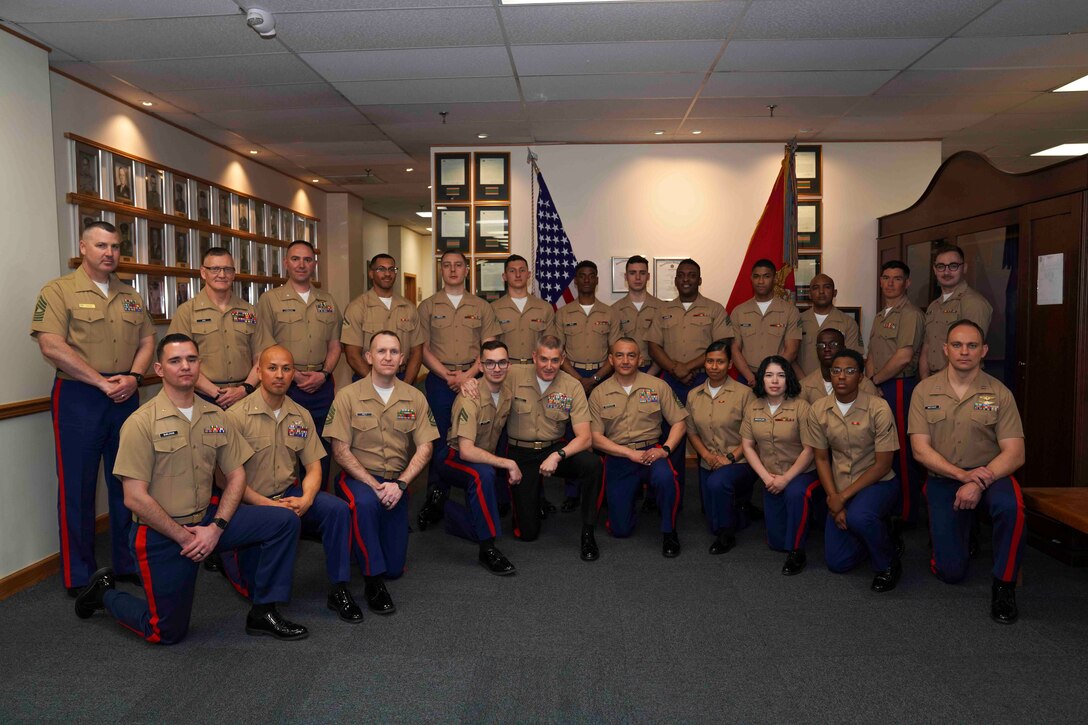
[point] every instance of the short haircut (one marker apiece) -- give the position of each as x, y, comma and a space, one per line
98, 224
637, 259
966, 323
724, 345
945, 248
693, 263
513, 258
895, 264
170, 339
764, 263
494, 345
854, 356
836, 332
586, 264
549, 342
217, 252
793, 385
380, 255
625, 338
383, 332
304, 243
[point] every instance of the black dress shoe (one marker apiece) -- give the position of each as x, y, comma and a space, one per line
1003, 609
569, 504
341, 602
723, 544
273, 624
89, 600
885, 581
546, 507
590, 551
133, 578
754, 514
493, 560
795, 562
73, 592
378, 599
670, 545
433, 509
649, 506
214, 563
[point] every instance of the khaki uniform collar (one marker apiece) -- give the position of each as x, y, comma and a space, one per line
862, 402
942, 385
287, 292
259, 406
203, 301
84, 283
730, 385
165, 408
368, 392
372, 297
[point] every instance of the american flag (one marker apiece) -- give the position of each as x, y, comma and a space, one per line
555, 260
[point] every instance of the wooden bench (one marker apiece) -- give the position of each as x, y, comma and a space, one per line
1057, 520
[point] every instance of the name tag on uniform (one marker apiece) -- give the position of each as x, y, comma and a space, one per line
666, 317
606, 407
485, 422
364, 414
206, 319
759, 420
570, 324
438, 317
558, 401
933, 407
87, 306
517, 398
244, 316
288, 309
215, 429
130, 305
297, 430
504, 322
168, 433
746, 324
648, 396
406, 414
324, 306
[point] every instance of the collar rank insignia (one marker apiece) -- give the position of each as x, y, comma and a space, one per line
648, 395
558, 401
130, 305
323, 306
244, 316
297, 430
406, 414
215, 429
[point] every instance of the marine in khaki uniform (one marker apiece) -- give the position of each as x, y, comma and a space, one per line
472, 462
373, 425
380, 308
283, 435
97, 333
770, 433
224, 326
820, 316
637, 310
523, 317
628, 412
545, 401
895, 343
715, 410
817, 384
455, 323
967, 432
853, 437
169, 450
307, 322
587, 328
679, 337
765, 324
957, 302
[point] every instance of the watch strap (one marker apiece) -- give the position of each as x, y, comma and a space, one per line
220, 522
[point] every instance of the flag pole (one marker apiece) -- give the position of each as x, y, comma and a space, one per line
531, 159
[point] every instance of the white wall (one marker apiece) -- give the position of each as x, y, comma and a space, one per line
415, 255
703, 201
28, 519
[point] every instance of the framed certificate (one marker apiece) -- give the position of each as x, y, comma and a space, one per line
809, 222
619, 274
492, 229
489, 282
808, 266
451, 177
453, 225
808, 164
665, 277
492, 176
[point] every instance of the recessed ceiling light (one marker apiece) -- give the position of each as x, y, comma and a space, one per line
316, 181
481, 135
149, 104
410, 169
659, 132
1081, 84
424, 214
805, 130
696, 133
1065, 149
428, 186
253, 151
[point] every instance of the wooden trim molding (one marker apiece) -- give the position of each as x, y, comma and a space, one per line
24, 407
28, 576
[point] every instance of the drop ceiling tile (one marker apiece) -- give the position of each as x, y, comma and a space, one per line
188, 120
659, 108
809, 55
455, 112
304, 95
899, 129
857, 18
314, 132
286, 117
784, 106
603, 131
645, 85
69, 11
953, 104
1054, 103
753, 129
158, 38
1022, 123
593, 58
347, 148
460, 134
448, 90
395, 28
360, 160
780, 83
594, 23
1009, 52
929, 82
367, 65
191, 73
302, 6
1031, 17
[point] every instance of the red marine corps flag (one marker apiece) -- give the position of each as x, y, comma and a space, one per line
553, 256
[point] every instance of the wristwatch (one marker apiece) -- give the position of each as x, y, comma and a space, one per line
731, 457
326, 373
248, 388
596, 378
221, 523
139, 378
668, 451
401, 484
562, 454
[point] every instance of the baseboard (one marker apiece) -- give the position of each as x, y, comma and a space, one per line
30, 575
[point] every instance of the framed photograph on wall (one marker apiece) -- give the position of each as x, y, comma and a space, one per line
181, 196
492, 176
274, 222
242, 257
88, 215
156, 297
245, 291
258, 218
454, 226
181, 247
122, 179
155, 249
809, 167
207, 241
184, 291
665, 277
204, 203
126, 229
808, 266
492, 229
809, 223
223, 207
619, 274
87, 170
153, 185
451, 174
300, 228
243, 213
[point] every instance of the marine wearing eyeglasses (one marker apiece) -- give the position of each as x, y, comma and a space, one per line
380, 308
817, 384
958, 301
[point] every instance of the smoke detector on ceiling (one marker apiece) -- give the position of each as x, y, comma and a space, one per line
262, 21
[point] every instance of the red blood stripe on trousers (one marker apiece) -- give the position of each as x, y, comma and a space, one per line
149, 586
355, 522
470, 471
676, 486
1017, 532
804, 514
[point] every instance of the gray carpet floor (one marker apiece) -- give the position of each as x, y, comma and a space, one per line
633, 637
